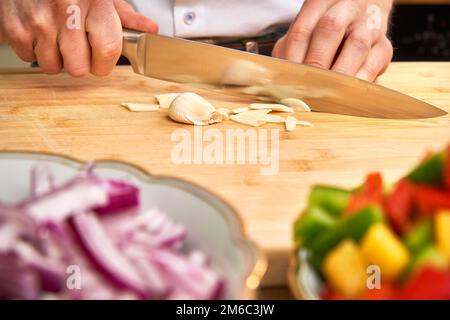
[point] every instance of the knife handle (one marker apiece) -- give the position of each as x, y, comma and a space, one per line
130, 48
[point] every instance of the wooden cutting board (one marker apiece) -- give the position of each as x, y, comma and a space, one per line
83, 118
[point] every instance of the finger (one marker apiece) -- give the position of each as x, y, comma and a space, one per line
299, 34
48, 55
355, 51
377, 61
74, 47
279, 48
132, 20
105, 37
328, 35
22, 44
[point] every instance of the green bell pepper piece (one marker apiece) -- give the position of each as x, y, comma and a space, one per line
428, 255
353, 227
333, 200
420, 236
312, 222
429, 172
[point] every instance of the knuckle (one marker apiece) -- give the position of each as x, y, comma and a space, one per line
77, 72
330, 24
109, 51
50, 68
300, 34
315, 63
360, 42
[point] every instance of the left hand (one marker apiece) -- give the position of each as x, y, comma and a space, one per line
347, 36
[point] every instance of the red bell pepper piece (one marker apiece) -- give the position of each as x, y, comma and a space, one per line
387, 291
333, 295
429, 200
399, 205
371, 194
447, 169
428, 284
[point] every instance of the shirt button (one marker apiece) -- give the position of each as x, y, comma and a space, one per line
189, 18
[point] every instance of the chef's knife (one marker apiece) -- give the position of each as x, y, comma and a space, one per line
241, 73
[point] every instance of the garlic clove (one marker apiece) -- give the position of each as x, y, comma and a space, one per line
165, 100
140, 107
290, 123
191, 108
296, 104
245, 73
274, 119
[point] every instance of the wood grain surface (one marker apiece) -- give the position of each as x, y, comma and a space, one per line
83, 118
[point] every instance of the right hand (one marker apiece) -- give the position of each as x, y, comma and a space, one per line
37, 31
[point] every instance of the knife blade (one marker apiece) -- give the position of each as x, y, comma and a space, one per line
250, 75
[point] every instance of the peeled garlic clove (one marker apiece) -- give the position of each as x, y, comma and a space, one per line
290, 123
165, 100
247, 121
225, 113
296, 104
191, 108
239, 110
304, 123
140, 107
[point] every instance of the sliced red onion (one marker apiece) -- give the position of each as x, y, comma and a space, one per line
105, 255
17, 282
76, 196
41, 179
121, 196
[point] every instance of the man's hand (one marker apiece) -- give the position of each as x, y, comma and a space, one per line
37, 31
347, 36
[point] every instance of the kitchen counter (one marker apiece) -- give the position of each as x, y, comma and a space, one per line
83, 118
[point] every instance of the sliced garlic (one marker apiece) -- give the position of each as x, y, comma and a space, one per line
296, 104
191, 108
271, 106
239, 110
290, 123
140, 107
304, 123
254, 118
165, 100
274, 119
225, 113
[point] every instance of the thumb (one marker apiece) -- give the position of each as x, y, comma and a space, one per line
133, 20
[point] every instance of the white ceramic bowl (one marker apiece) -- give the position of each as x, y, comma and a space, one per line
213, 226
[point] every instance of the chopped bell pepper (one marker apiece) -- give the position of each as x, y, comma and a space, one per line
333, 200
429, 172
370, 194
442, 232
447, 169
419, 236
429, 200
428, 256
382, 248
353, 227
399, 205
311, 223
428, 284
345, 269
387, 291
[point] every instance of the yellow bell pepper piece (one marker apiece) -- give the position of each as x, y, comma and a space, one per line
442, 233
383, 248
345, 269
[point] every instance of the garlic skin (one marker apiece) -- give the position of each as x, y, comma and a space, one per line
191, 108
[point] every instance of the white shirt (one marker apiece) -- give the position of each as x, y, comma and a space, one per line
218, 18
